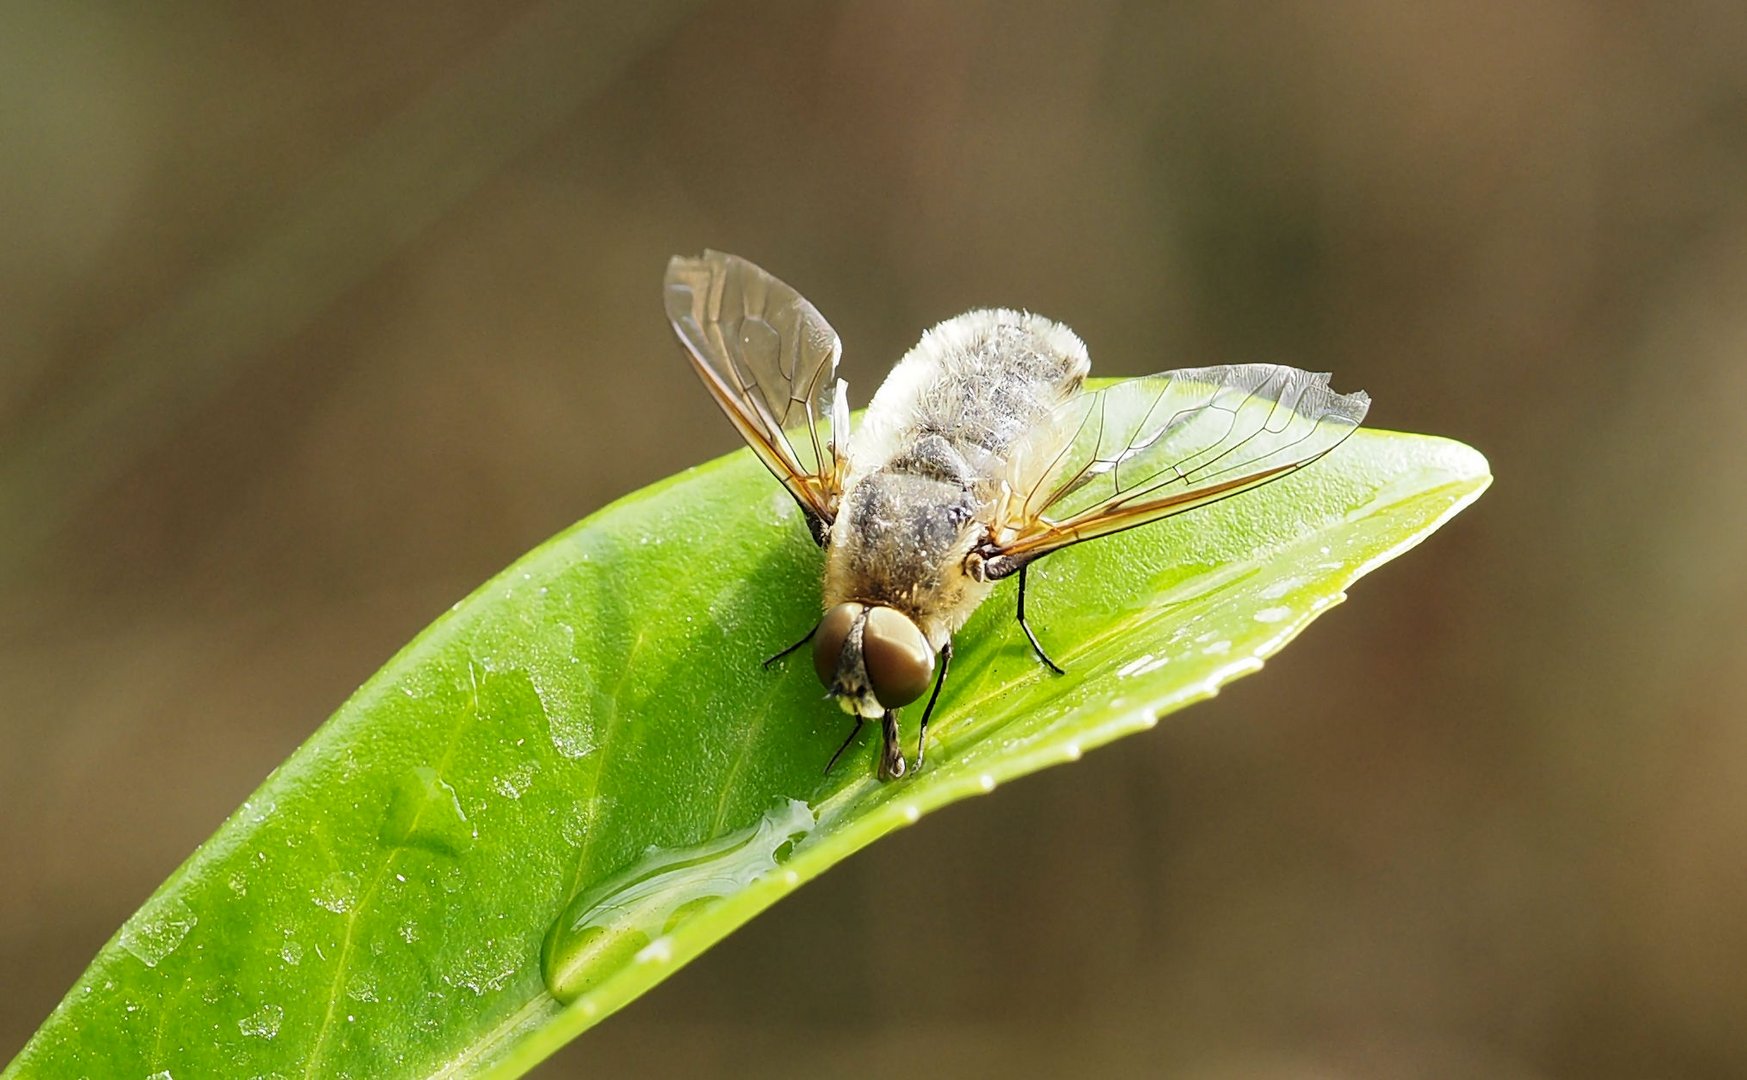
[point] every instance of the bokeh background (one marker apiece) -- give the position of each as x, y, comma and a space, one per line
312, 317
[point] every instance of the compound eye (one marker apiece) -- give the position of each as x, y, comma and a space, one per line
900, 665
828, 641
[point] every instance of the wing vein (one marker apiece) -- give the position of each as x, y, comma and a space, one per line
1164, 444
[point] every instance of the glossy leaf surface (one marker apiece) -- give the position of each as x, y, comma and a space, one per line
589, 741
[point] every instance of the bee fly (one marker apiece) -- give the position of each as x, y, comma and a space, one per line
981, 453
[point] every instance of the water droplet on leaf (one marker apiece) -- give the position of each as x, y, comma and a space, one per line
513, 783
337, 893
1142, 665
425, 812
626, 917
157, 930
263, 1023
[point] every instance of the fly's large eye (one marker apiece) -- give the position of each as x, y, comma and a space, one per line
900, 665
828, 641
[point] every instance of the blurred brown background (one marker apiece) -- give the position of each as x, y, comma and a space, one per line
314, 316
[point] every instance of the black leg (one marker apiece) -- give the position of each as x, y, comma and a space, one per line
928, 710
853, 732
1041, 655
792, 648
892, 752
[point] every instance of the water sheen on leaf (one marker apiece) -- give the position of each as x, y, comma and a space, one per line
580, 737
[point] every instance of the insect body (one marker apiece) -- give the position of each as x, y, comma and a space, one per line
980, 453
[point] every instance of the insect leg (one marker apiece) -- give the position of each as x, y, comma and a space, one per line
853, 732
1041, 655
928, 710
792, 648
892, 753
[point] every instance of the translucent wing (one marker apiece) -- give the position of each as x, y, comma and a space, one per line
770, 361
1148, 448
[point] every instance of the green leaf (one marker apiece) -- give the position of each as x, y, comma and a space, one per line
589, 742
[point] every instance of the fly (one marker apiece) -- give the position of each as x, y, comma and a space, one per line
981, 453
